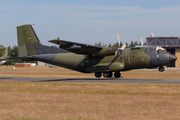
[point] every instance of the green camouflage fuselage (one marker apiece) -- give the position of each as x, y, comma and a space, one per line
129, 59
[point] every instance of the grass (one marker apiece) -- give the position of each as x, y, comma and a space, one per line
87, 101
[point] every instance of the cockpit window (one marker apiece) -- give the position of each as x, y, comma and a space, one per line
163, 51
160, 50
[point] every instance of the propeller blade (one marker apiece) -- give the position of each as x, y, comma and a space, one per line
118, 40
119, 48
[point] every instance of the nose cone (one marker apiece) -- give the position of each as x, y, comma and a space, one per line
172, 58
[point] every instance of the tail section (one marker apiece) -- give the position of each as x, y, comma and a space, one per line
27, 40
29, 44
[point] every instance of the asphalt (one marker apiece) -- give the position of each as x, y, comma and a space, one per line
92, 80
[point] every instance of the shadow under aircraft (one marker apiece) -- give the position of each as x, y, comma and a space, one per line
106, 61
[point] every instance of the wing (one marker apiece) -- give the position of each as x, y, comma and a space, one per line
77, 48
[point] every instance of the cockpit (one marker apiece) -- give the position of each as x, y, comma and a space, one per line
160, 50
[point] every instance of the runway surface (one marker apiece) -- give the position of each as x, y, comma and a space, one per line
92, 80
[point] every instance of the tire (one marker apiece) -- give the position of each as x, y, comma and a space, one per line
98, 74
161, 69
117, 74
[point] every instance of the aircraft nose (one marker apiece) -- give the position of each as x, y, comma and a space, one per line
172, 58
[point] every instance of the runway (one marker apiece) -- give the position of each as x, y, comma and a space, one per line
92, 80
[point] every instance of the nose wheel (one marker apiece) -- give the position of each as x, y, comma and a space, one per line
161, 69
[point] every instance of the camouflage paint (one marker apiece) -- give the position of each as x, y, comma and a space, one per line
104, 60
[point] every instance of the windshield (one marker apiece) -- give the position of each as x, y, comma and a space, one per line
160, 50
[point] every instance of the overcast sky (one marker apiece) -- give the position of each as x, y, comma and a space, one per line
90, 21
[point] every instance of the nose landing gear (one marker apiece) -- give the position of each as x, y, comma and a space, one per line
161, 69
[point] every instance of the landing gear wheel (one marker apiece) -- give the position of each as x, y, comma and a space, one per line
161, 69
117, 74
98, 74
107, 74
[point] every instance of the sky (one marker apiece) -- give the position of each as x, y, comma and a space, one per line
91, 21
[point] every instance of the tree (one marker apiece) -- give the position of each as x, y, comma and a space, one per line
131, 44
1, 50
135, 43
14, 52
117, 44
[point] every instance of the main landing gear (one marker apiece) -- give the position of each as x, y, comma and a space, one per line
161, 69
107, 74
117, 74
98, 74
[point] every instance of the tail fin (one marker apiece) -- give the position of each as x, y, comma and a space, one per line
27, 41
5, 55
29, 44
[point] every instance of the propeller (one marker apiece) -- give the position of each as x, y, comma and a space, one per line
118, 40
120, 48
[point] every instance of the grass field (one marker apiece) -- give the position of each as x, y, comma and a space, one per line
87, 101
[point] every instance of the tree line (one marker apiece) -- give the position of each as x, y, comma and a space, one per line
132, 44
13, 52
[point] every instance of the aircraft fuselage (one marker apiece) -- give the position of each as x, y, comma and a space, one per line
131, 58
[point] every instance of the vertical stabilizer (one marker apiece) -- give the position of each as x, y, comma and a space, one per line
27, 39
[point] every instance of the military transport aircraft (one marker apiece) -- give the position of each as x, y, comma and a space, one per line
88, 58
5, 55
